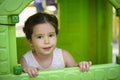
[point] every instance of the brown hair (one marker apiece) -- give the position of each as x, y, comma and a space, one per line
39, 18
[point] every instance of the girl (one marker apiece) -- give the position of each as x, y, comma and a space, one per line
41, 31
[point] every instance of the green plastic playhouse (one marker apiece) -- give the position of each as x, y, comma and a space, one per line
88, 27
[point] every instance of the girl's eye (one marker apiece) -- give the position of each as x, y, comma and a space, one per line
51, 35
40, 37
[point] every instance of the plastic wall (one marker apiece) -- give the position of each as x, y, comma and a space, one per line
86, 29
9, 11
96, 72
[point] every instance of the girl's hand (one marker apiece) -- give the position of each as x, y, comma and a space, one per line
32, 71
84, 66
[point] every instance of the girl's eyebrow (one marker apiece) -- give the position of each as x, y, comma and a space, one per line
38, 34
52, 32
43, 34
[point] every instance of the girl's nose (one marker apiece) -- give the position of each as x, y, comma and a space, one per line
46, 40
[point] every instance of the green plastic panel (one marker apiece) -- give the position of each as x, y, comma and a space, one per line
9, 7
96, 72
86, 29
8, 56
4, 51
20, 50
9, 11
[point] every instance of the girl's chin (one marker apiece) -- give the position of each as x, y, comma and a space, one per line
47, 53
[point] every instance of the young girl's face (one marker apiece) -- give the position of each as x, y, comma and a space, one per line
43, 38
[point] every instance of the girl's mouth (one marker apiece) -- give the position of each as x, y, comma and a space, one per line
47, 48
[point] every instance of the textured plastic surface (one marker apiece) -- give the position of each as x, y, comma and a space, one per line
86, 29
83, 28
4, 51
96, 72
17, 69
9, 10
115, 3
10, 7
118, 59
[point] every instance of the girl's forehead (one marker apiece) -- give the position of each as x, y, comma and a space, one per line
45, 27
